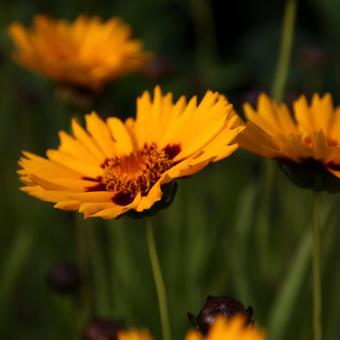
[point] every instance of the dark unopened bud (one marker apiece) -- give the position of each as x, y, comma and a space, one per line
313, 55
101, 329
64, 278
159, 68
219, 306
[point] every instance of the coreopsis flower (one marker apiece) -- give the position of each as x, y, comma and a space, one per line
229, 329
222, 329
134, 334
306, 142
216, 307
114, 167
87, 52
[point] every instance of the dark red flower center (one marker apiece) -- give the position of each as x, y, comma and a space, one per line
135, 173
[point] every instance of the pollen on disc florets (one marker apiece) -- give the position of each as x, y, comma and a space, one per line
137, 172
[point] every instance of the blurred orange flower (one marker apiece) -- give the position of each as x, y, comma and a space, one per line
306, 144
116, 166
222, 329
134, 334
229, 329
86, 52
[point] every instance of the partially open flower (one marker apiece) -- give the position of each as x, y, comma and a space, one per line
229, 329
219, 306
114, 167
305, 144
87, 52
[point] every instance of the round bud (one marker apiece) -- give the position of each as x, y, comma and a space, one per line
101, 329
64, 278
217, 306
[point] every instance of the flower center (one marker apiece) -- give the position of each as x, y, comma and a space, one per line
137, 172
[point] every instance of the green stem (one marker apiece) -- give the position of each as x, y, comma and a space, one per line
159, 282
278, 89
288, 292
264, 214
317, 327
83, 259
282, 67
99, 272
203, 20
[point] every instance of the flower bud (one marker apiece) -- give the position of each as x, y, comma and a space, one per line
159, 68
313, 55
217, 306
64, 278
101, 329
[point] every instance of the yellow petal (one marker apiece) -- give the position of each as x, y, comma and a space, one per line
101, 134
123, 141
83, 137
82, 167
68, 205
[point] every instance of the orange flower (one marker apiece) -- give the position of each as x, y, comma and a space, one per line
222, 329
87, 52
115, 167
229, 329
306, 144
134, 334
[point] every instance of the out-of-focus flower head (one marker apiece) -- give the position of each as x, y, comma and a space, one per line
222, 329
85, 53
306, 144
134, 334
229, 329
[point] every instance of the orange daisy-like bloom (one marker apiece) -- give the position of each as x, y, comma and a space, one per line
134, 334
229, 329
116, 166
222, 329
306, 144
86, 52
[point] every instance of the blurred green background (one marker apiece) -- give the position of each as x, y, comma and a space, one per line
224, 234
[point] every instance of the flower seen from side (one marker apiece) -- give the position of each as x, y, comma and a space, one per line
113, 167
306, 142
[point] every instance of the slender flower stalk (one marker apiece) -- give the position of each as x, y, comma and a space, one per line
278, 89
203, 20
159, 282
281, 73
83, 259
317, 301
